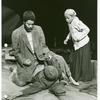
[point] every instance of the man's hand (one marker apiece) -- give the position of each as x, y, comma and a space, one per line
48, 57
27, 62
12, 96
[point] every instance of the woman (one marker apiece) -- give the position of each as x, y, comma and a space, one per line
81, 60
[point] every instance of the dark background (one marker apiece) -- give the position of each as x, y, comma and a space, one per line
50, 16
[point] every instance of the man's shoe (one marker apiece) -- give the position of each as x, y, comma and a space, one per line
73, 81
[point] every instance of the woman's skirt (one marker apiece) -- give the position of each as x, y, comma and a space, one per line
80, 67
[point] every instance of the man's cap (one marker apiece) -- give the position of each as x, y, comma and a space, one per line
51, 73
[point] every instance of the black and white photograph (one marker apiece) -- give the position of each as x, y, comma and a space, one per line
49, 50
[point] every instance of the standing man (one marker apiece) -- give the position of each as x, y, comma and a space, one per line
29, 47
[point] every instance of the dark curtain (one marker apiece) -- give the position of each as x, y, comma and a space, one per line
50, 16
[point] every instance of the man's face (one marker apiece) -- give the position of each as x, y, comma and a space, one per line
29, 25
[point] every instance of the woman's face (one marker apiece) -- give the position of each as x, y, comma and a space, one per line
69, 18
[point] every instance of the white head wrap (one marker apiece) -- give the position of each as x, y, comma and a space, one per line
70, 12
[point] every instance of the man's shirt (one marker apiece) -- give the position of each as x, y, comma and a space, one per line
29, 37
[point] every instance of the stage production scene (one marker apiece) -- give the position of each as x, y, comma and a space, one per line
49, 50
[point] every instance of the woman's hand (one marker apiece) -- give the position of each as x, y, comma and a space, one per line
65, 42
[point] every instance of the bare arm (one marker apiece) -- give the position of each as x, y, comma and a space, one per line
67, 38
